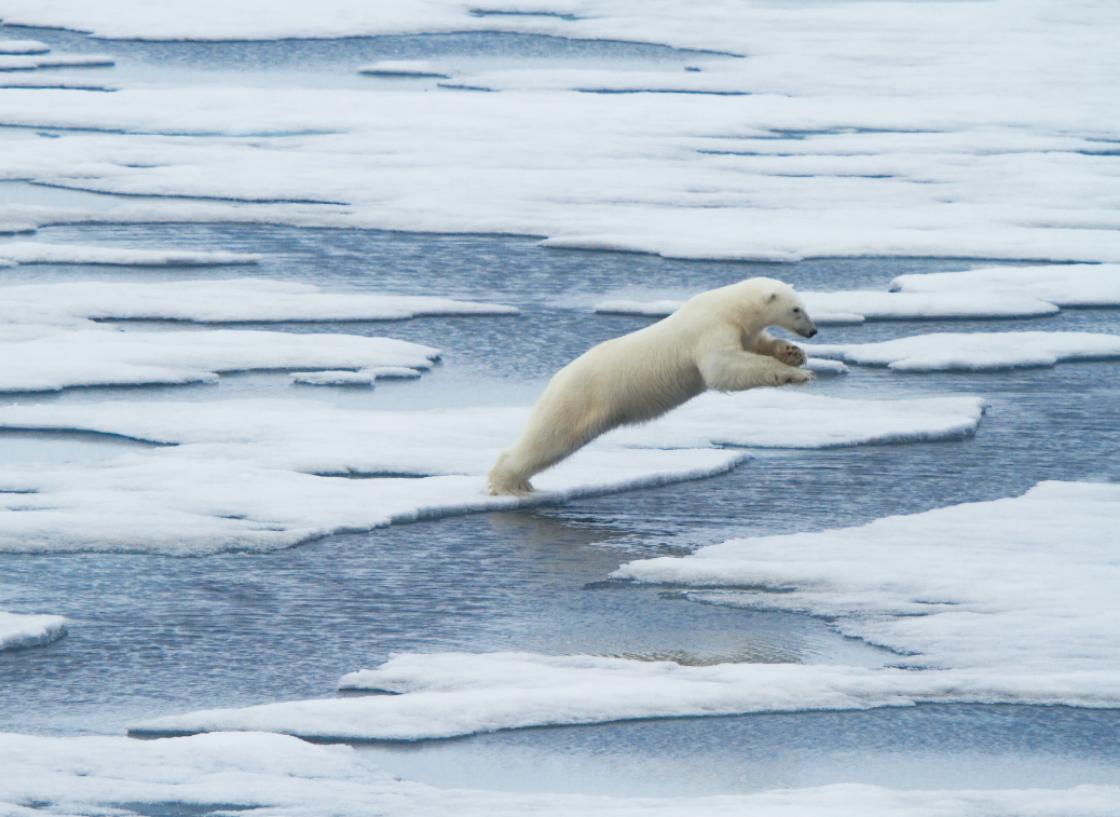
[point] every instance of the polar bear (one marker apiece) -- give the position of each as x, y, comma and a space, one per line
716, 340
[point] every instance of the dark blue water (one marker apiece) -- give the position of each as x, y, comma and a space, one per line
154, 635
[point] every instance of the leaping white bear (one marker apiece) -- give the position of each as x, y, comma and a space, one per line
716, 340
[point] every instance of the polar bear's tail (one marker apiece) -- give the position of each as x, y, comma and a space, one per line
505, 479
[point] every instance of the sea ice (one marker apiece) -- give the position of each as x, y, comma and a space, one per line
36, 358
984, 154
21, 630
444, 695
1060, 284
853, 307
31, 252
280, 776
1023, 585
23, 47
264, 474
242, 300
975, 351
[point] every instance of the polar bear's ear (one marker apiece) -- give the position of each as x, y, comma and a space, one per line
773, 297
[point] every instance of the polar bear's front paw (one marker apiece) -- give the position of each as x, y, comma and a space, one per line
789, 354
795, 376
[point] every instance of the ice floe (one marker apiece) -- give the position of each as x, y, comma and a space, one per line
23, 630
264, 474
23, 47
975, 351
443, 695
280, 776
853, 307
35, 358
1018, 586
241, 300
1059, 284
32, 252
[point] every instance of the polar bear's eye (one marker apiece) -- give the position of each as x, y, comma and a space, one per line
797, 310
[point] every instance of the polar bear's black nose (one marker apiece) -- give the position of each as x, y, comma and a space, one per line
811, 333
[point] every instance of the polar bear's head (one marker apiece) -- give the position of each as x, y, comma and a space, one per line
783, 307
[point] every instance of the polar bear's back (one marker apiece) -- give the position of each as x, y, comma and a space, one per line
629, 379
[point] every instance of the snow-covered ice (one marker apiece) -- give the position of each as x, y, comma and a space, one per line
38, 252
899, 143
855, 307
975, 351
24, 630
23, 47
35, 358
825, 367
241, 300
442, 695
280, 776
1023, 585
33, 252
1060, 284
264, 474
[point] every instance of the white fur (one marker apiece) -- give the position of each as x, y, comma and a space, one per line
716, 340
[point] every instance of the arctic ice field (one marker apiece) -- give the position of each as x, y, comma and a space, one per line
278, 281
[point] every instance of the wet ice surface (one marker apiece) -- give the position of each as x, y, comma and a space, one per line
154, 635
